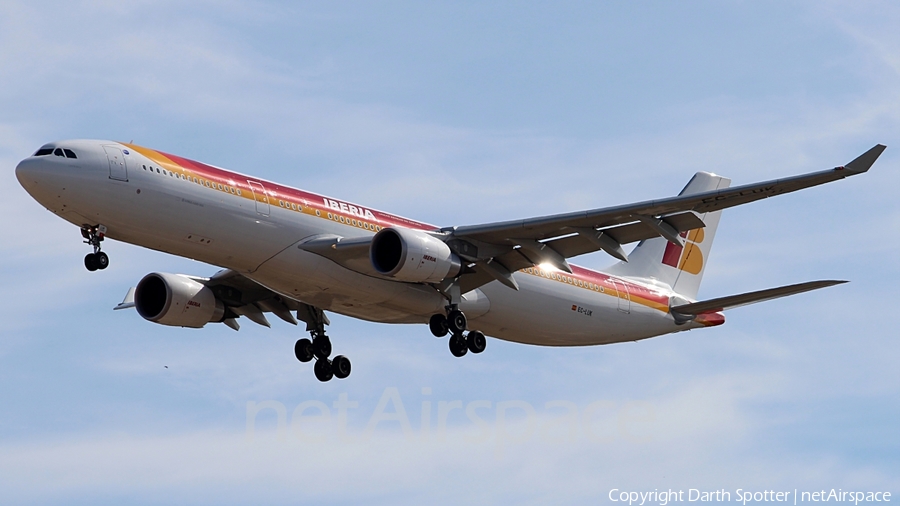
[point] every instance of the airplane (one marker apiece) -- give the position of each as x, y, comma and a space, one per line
296, 254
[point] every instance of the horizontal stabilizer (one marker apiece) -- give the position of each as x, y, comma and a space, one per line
733, 301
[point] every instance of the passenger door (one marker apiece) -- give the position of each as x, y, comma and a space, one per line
260, 196
117, 168
624, 296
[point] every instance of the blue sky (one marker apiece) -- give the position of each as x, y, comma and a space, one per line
460, 113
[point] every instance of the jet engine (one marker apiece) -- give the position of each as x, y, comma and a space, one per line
412, 256
177, 300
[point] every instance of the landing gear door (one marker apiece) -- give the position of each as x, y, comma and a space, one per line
260, 196
117, 168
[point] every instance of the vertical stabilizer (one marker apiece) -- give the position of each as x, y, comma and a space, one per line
680, 268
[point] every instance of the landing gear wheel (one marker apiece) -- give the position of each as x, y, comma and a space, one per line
340, 366
322, 346
303, 350
93, 235
456, 321
323, 370
101, 260
476, 341
458, 345
438, 325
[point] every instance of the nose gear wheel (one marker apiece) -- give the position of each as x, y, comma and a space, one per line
93, 235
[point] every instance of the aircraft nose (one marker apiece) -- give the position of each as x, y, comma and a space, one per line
37, 178
27, 173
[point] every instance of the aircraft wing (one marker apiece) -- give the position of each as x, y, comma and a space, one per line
244, 297
498, 249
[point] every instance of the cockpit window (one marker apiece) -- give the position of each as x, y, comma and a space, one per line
43, 152
69, 153
58, 152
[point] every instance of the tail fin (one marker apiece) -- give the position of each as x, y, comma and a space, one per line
680, 268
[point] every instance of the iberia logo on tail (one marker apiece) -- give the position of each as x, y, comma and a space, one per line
689, 258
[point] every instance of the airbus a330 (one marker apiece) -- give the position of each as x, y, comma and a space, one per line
295, 254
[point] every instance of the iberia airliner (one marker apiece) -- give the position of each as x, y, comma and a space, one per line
296, 254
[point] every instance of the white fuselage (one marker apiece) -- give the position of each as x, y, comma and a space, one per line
253, 226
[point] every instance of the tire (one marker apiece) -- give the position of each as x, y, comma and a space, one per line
456, 321
90, 262
303, 350
322, 347
476, 342
323, 370
438, 325
101, 260
458, 345
340, 366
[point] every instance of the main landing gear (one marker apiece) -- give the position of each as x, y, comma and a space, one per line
93, 235
454, 323
319, 348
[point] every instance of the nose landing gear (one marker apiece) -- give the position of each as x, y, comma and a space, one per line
93, 235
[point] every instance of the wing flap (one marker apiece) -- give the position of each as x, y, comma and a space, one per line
573, 245
244, 297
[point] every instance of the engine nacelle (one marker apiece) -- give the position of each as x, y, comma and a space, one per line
177, 300
413, 256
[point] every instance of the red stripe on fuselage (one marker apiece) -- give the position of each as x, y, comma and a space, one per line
287, 193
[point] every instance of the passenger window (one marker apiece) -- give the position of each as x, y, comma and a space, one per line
232, 190
239, 191
164, 172
43, 152
281, 203
58, 152
69, 153
157, 170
